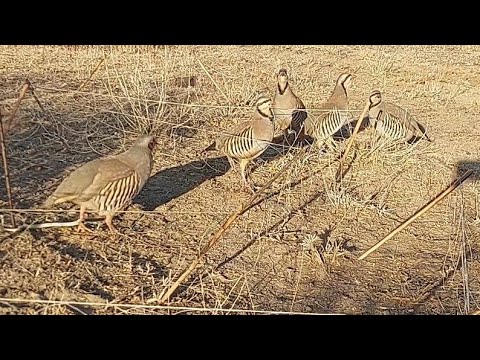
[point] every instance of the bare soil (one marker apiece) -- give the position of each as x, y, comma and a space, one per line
295, 251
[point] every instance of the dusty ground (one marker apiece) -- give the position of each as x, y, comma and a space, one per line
296, 251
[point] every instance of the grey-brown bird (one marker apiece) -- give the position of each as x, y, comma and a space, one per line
288, 108
109, 184
393, 122
332, 114
249, 139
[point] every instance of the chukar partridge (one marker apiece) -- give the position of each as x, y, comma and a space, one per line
288, 108
249, 139
393, 122
107, 185
333, 114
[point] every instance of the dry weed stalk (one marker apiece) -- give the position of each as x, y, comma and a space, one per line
6, 171
9, 121
32, 90
420, 212
91, 74
339, 174
464, 255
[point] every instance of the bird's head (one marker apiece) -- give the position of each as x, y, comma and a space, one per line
147, 141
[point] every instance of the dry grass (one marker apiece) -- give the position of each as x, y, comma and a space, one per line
296, 251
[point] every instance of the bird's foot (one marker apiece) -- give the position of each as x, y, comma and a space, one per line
83, 229
252, 188
114, 233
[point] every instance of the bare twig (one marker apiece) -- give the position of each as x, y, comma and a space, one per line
43, 226
6, 171
35, 95
421, 211
339, 175
228, 222
91, 74
464, 255
318, 258
214, 82
48, 115
49, 225
9, 120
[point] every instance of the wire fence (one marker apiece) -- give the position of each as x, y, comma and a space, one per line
214, 132
153, 307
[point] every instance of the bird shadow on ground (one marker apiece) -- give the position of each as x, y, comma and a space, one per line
170, 183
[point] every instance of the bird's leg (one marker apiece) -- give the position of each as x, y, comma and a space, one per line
108, 221
330, 144
81, 226
243, 165
231, 162
376, 146
301, 136
320, 146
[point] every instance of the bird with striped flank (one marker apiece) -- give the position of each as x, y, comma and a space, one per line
249, 139
107, 185
288, 108
332, 116
393, 122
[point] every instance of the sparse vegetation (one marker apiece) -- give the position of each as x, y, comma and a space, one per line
295, 251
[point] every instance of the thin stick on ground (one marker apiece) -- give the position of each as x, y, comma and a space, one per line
91, 74
6, 171
420, 212
35, 95
214, 82
339, 175
9, 121
463, 256
228, 222
49, 225
17, 230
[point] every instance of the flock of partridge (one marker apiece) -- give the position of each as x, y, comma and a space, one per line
108, 185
